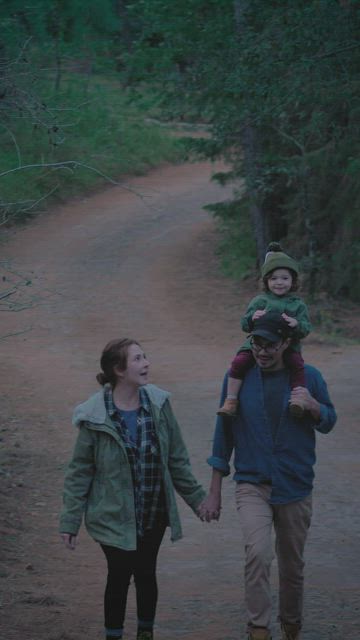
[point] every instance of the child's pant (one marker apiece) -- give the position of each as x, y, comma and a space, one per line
121, 566
244, 360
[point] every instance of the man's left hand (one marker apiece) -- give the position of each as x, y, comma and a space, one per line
302, 396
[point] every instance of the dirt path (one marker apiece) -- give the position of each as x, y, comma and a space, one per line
120, 265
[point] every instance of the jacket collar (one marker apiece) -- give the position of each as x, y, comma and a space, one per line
94, 410
112, 408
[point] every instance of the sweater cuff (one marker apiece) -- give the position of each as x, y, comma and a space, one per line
68, 525
219, 464
323, 425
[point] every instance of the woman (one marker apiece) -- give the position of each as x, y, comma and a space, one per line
128, 459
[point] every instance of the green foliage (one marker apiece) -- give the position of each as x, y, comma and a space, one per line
103, 132
65, 120
237, 248
70, 25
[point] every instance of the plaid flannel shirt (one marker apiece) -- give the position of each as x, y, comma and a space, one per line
145, 462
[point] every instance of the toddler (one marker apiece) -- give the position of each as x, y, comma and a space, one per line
280, 278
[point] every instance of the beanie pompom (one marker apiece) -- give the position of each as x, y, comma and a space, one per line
274, 246
275, 258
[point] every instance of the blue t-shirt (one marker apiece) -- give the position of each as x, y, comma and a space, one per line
130, 418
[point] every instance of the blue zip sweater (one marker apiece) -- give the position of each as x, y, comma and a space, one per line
287, 463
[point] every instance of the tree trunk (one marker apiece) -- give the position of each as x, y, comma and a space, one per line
251, 146
125, 33
58, 68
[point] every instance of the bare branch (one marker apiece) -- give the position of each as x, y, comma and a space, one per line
14, 141
21, 209
335, 52
291, 139
67, 164
71, 165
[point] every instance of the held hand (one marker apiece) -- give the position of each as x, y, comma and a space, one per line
210, 508
292, 322
258, 314
69, 540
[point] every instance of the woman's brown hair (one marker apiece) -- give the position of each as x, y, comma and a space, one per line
115, 354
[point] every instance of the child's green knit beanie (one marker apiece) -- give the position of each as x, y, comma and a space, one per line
275, 258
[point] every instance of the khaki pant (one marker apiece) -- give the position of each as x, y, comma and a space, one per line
291, 523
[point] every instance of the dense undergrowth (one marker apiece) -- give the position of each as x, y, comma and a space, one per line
86, 134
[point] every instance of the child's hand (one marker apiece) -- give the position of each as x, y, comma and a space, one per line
258, 314
292, 322
302, 396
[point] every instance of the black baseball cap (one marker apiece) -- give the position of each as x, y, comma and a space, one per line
272, 327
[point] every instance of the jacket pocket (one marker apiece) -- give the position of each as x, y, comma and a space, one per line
108, 503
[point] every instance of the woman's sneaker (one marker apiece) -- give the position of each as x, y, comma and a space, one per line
145, 634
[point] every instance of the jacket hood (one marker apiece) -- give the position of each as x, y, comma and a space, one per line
93, 410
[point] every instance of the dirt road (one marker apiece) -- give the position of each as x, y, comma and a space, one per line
120, 264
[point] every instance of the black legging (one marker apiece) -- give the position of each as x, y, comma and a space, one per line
142, 565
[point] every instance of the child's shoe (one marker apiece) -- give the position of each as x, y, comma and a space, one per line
229, 407
259, 634
290, 631
296, 410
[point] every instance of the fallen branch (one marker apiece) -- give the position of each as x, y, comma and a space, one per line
7, 293
15, 333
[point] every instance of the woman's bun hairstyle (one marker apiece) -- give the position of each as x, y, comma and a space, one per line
102, 378
114, 356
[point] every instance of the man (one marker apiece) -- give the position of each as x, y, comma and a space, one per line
274, 454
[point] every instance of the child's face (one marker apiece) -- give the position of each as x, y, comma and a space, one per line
280, 282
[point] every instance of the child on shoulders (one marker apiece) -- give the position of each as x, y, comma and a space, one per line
280, 279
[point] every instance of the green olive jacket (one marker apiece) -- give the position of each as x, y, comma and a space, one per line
98, 482
290, 304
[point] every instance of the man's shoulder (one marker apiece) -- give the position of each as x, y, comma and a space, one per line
310, 367
312, 373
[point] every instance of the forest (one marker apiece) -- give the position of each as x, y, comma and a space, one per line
85, 89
